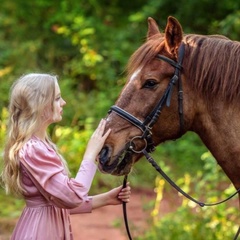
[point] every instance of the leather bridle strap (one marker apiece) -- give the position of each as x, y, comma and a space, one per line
129, 117
237, 234
176, 78
124, 205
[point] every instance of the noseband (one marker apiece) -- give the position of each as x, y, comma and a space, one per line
147, 124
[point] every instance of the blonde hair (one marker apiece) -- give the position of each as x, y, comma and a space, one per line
29, 96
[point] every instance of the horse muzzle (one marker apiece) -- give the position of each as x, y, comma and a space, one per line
119, 165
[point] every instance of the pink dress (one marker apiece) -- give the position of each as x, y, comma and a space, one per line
50, 194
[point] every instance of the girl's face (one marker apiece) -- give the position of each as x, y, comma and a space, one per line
54, 114
58, 104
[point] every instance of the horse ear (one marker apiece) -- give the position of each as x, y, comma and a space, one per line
152, 28
173, 35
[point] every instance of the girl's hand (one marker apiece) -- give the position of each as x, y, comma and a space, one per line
118, 195
96, 141
113, 197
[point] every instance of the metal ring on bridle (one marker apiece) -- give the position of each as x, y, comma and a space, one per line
131, 146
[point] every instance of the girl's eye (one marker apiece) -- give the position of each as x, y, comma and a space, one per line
150, 83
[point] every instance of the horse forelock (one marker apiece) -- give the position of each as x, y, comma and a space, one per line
212, 65
145, 53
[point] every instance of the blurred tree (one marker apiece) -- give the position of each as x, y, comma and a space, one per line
88, 43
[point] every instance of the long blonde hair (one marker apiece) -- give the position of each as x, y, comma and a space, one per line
29, 96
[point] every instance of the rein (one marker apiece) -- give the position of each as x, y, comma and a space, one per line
146, 126
174, 185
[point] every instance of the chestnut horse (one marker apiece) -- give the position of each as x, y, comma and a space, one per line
177, 83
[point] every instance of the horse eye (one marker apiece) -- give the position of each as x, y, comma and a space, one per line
150, 83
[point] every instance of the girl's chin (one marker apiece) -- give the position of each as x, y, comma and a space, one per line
57, 119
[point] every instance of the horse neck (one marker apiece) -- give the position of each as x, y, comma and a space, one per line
212, 89
219, 128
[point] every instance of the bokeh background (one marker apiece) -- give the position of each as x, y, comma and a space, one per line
87, 44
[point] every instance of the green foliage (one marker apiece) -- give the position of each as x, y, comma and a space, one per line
3, 129
3, 124
190, 221
230, 26
11, 208
88, 43
183, 155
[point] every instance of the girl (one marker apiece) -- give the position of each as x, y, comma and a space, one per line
34, 169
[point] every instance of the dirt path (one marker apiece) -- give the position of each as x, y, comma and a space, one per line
107, 223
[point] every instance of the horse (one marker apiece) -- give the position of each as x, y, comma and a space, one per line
177, 83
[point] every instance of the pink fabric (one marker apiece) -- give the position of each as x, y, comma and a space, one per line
50, 194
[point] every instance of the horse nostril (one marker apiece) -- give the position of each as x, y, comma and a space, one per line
103, 156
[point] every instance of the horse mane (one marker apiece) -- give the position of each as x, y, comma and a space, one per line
211, 63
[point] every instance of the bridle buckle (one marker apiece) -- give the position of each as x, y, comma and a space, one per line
132, 145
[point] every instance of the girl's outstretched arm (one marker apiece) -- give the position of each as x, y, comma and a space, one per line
113, 197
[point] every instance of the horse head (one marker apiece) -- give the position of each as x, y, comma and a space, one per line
134, 123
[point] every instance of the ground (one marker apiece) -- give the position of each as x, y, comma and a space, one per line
107, 223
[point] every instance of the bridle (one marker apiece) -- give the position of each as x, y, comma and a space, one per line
146, 127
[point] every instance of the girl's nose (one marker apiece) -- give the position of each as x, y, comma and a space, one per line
63, 102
